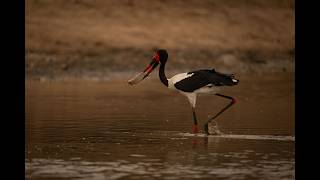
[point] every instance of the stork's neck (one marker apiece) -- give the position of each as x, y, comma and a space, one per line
162, 75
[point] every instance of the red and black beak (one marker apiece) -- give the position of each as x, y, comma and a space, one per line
145, 73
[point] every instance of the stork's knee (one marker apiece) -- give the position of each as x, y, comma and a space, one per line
233, 100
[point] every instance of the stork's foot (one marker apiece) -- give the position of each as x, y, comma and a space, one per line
211, 128
195, 129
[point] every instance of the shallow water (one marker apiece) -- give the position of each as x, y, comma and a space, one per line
109, 130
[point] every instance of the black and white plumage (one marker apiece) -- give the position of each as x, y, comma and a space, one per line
200, 82
190, 84
204, 78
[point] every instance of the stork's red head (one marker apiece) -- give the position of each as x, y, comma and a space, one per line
160, 56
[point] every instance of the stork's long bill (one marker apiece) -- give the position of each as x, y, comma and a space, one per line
145, 73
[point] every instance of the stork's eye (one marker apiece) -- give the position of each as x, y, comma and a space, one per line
156, 57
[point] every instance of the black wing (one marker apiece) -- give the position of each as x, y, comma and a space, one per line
202, 78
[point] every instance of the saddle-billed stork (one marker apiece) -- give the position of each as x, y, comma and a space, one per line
190, 84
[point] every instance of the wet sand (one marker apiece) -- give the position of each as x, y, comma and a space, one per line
81, 129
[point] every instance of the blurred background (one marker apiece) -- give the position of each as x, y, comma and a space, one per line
110, 38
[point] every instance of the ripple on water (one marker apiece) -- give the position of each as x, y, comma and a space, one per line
237, 136
149, 169
137, 155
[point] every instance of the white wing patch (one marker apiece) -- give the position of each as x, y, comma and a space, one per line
177, 78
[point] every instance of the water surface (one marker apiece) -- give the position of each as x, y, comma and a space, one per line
109, 130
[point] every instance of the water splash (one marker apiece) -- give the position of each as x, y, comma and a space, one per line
242, 136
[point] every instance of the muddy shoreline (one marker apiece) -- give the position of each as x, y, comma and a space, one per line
125, 63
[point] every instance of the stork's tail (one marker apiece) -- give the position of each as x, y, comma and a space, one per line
233, 79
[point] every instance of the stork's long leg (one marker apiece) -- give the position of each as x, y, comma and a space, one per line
233, 101
192, 97
195, 122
